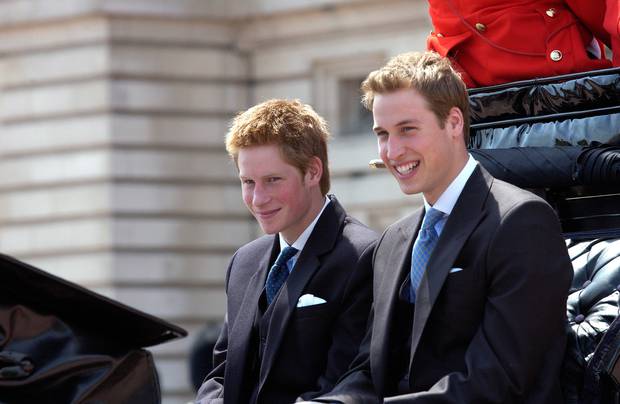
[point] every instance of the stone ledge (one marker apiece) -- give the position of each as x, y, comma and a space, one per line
298, 56
54, 65
42, 204
75, 97
113, 131
19, 12
182, 233
119, 61
48, 136
99, 233
98, 94
48, 35
82, 166
334, 21
171, 303
135, 165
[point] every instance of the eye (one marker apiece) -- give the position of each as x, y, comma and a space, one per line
381, 134
246, 181
273, 179
407, 129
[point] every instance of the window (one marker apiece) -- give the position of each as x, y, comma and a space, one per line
352, 116
337, 96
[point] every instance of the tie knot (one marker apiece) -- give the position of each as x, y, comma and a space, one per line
285, 255
432, 217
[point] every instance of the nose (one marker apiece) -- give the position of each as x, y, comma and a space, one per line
393, 148
260, 196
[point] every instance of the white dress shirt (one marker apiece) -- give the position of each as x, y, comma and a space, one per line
302, 239
448, 198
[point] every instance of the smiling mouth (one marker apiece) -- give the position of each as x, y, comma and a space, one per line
267, 214
407, 168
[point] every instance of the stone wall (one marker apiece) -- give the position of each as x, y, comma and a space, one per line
113, 172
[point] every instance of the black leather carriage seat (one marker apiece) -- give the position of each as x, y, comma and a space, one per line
592, 363
62, 343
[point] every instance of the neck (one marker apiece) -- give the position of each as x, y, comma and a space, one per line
459, 163
317, 200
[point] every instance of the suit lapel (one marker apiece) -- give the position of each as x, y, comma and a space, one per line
240, 334
465, 216
321, 241
385, 303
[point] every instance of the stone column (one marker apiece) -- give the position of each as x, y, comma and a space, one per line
113, 172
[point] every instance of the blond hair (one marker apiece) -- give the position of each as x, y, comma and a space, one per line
427, 73
298, 131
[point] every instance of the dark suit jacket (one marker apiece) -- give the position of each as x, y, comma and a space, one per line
493, 332
307, 349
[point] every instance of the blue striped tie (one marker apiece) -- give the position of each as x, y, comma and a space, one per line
278, 273
422, 249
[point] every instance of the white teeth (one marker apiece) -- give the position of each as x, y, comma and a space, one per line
406, 168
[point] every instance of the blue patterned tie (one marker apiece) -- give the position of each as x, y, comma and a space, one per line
278, 273
422, 248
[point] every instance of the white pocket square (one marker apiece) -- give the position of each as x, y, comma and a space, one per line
453, 270
309, 300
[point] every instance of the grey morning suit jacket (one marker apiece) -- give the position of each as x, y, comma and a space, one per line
493, 332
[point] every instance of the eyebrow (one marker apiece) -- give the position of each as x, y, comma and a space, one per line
243, 177
408, 122
401, 123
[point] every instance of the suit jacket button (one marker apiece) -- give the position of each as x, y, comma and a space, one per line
555, 55
481, 27
551, 12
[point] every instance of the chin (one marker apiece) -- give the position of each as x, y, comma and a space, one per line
408, 189
269, 230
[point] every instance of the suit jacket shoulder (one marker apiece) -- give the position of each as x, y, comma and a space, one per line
360, 235
244, 260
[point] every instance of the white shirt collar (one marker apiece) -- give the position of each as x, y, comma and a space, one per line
305, 235
448, 199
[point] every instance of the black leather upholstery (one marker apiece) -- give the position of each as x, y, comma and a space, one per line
62, 343
569, 110
592, 307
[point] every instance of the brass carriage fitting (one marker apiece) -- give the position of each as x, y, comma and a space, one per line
376, 163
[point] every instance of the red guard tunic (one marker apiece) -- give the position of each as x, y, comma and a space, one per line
604, 22
498, 41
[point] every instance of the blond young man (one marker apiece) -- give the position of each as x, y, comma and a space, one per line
470, 290
297, 298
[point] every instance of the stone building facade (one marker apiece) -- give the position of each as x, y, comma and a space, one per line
113, 172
